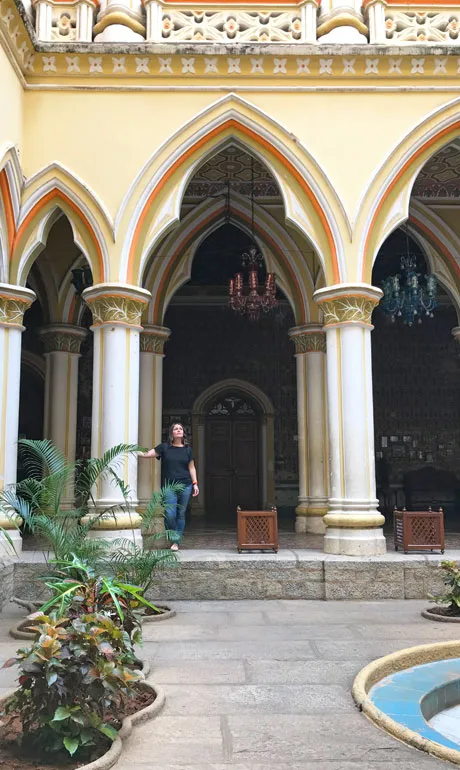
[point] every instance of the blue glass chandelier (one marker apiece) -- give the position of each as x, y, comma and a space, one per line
409, 295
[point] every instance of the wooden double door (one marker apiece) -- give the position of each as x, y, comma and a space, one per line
232, 458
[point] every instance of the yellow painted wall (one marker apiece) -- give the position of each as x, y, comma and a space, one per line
105, 138
350, 134
11, 105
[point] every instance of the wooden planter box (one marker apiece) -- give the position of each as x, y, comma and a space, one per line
419, 530
257, 530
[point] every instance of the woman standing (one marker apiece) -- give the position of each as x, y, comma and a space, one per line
177, 466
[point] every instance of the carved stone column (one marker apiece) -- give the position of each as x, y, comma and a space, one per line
117, 312
354, 525
14, 301
61, 343
310, 346
153, 339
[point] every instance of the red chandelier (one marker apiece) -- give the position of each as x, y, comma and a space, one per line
252, 303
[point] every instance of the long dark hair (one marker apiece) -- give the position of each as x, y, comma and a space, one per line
185, 441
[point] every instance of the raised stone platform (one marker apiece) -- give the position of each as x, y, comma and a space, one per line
289, 574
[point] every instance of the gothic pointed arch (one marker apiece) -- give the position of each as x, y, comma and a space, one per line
166, 275
311, 205
46, 195
385, 204
10, 192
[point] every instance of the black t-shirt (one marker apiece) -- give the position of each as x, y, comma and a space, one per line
174, 462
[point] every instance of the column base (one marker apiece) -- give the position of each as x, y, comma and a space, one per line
354, 542
354, 528
310, 520
125, 526
134, 535
310, 517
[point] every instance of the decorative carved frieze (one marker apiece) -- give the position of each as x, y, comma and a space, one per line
153, 339
258, 26
348, 309
428, 25
12, 309
116, 308
309, 342
62, 339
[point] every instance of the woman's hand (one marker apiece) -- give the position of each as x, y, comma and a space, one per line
150, 453
196, 490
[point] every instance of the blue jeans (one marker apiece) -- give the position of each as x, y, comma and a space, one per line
175, 507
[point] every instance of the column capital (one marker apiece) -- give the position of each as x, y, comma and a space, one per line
456, 333
153, 338
116, 303
309, 338
348, 303
62, 338
14, 301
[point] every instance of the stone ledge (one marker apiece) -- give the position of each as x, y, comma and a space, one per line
270, 578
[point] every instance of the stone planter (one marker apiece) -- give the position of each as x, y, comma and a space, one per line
115, 751
165, 615
440, 618
19, 631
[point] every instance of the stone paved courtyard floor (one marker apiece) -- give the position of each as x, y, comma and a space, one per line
265, 685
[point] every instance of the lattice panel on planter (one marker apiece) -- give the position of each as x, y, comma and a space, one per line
257, 530
419, 530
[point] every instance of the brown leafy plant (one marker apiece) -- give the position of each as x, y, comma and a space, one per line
74, 679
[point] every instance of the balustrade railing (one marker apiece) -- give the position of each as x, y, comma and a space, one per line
387, 24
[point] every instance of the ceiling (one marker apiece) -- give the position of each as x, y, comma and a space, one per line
440, 177
235, 166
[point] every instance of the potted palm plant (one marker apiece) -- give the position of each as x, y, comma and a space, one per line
139, 565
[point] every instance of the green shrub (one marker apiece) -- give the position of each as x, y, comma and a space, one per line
76, 589
76, 675
40, 499
451, 577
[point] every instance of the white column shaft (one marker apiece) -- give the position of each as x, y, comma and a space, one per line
10, 375
116, 403
154, 13
14, 301
302, 416
150, 419
317, 428
376, 16
61, 397
354, 525
84, 31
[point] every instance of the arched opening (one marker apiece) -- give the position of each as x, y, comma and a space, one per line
231, 203
416, 380
55, 326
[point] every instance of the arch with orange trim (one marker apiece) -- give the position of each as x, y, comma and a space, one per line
167, 274
385, 205
34, 227
310, 201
